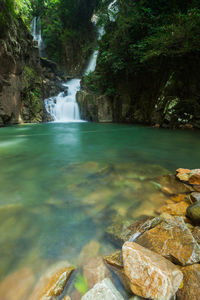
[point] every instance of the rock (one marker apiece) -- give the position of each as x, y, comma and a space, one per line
193, 212
104, 290
89, 251
151, 275
114, 261
173, 240
53, 282
191, 283
95, 271
120, 233
172, 186
175, 209
17, 285
195, 197
196, 234
180, 197
190, 176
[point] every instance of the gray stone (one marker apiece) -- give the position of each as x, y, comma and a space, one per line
104, 290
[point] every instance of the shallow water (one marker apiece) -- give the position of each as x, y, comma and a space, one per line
62, 184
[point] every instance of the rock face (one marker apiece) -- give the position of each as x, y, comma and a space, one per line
104, 290
94, 108
151, 275
191, 283
189, 176
173, 240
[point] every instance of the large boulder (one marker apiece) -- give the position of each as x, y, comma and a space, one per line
172, 239
151, 275
104, 290
189, 176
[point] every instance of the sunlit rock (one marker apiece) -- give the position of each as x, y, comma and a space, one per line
190, 176
17, 285
175, 209
104, 290
173, 240
195, 197
190, 289
151, 275
196, 233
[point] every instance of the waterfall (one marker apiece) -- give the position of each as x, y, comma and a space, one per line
113, 10
64, 108
37, 34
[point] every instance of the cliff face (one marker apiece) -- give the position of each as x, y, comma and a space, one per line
20, 75
169, 96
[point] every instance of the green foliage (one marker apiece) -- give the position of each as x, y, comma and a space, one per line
81, 284
144, 31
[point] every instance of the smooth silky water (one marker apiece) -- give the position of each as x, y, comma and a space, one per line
62, 184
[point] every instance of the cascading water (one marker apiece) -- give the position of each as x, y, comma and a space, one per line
64, 108
37, 34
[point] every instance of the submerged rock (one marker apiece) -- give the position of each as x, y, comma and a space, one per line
191, 283
104, 290
17, 285
175, 209
193, 212
151, 275
53, 282
173, 240
172, 186
95, 271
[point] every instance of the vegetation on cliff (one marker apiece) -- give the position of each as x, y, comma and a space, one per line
151, 51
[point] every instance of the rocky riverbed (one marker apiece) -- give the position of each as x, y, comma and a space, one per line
157, 258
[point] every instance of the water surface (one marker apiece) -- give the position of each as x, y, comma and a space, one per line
62, 184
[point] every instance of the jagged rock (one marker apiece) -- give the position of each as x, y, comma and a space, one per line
114, 261
120, 233
191, 283
193, 212
172, 186
53, 282
17, 285
195, 197
196, 234
104, 290
173, 240
95, 271
151, 275
190, 176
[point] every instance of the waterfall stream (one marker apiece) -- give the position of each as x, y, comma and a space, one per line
37, 34
63, 107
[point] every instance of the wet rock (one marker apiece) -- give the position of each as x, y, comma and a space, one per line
173, 240
193, 212
120, 233
196, 233
89, 251
95, 271
104, 290
191, 283
53, 282
195, 197
172, 186
190, 176
175, 209
17, 285
114, 261
180, 197
151, 275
